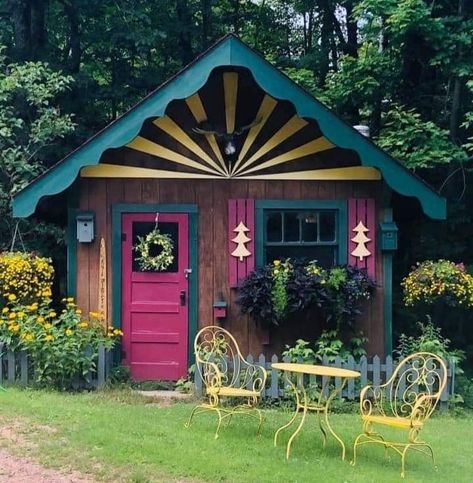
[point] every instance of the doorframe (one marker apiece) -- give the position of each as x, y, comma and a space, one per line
192, 211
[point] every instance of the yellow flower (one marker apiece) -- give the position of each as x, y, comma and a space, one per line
40, 319
5, 310
276, 263
70, 299
47, 326
83, 325
78, 311
117, 332
12, 315
52, 314
11, 297
49, 338
69, 332
20, 314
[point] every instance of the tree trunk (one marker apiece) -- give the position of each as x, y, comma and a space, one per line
206, 6
74, 51
352, 31
184, 26
21, 16
457, 88
38, 33
325, 33
236, 16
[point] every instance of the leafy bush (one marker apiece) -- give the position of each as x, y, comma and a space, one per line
430, 282
25, 277
61, 347
273, 292
429, 338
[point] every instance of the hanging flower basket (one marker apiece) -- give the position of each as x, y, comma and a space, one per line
159, 262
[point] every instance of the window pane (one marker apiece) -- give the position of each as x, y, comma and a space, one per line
325, 255
309, 226
291, 227
142, 228
327, 226
274, 227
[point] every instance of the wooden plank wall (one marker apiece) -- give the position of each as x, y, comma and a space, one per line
211, 196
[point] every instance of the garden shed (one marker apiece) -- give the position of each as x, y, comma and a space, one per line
239, 166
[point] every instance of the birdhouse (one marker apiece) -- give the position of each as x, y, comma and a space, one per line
85, 226
220, 309
388, 236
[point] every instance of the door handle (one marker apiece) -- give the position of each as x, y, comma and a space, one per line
182, 297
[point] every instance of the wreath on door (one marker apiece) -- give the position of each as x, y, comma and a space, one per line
163, 259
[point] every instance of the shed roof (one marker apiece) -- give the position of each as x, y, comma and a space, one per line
229, 51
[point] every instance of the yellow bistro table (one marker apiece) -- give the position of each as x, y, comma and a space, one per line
323, 400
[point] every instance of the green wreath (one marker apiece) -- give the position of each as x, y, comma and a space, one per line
159, 262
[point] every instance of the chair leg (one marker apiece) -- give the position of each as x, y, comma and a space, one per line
189, 422
260, 424
219, 422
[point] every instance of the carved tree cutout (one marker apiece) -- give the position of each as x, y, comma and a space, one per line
360, 239
241, 251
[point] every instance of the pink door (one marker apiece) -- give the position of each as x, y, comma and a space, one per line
154, 304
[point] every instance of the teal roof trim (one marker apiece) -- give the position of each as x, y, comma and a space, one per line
232, 52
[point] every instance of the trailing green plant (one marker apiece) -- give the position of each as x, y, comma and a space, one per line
279, 296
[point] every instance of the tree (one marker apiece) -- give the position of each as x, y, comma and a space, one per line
31, 122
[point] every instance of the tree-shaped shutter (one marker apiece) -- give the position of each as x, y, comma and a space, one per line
241, 239
362, 234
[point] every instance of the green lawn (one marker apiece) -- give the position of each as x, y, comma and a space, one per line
117, 436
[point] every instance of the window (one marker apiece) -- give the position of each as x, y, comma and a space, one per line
311, 230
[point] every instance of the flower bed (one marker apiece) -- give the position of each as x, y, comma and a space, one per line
62, 345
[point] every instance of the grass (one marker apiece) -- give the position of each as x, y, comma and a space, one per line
119, 436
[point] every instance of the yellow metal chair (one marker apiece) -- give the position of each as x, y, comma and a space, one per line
405, 402
227, 377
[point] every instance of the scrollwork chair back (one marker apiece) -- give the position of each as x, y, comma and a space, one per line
226, 373
405, 401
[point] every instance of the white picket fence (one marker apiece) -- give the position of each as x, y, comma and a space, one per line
372, 371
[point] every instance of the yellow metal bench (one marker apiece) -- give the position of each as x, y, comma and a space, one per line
405, 402
227, 376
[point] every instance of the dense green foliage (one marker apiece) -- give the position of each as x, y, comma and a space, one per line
404, 67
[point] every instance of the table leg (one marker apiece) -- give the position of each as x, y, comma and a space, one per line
301, 403
332, 396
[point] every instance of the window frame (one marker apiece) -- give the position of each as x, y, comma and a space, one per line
263, 206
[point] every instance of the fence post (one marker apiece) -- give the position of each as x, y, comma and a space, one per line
23, 368
101, 366
274, 391
1, 362
11, 367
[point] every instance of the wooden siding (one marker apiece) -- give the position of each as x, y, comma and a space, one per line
211, 196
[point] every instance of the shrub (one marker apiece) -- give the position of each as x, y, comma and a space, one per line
61, 347
25, 277
441, 281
